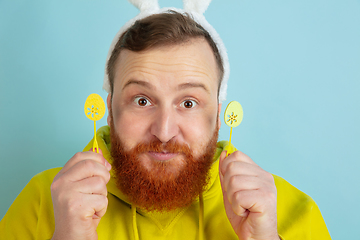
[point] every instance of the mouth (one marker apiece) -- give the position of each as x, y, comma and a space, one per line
162, 156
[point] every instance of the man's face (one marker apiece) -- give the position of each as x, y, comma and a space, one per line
163, 119
167, 93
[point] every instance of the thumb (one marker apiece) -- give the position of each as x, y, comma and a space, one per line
227, 204
221, 159
222, 156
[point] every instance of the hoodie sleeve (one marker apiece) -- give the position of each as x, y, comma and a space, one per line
298, 215
31, 214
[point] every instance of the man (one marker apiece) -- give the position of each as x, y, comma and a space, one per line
160, 173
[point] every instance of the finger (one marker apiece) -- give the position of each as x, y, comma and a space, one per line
237, 183
100, 209
92, 185
86, 169
93, 204
256, 201
107, 164
236, 157
95, 150
222, 157
81, 205
244, 200
241, 168
80, 156
227, 204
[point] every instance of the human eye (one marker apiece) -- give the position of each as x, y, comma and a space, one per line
188, 103
142, 101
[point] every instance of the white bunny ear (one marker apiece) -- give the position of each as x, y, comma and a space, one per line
198, 6
146, 5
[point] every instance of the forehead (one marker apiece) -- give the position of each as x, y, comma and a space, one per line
186, 62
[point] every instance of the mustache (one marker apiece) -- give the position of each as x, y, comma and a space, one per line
158, 146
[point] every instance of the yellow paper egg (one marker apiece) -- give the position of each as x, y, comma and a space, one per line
233, 114
94, 107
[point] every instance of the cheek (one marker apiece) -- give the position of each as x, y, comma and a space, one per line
130, 128
199, 131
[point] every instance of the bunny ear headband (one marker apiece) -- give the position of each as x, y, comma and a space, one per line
196, 9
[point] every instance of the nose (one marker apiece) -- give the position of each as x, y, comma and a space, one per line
165, 126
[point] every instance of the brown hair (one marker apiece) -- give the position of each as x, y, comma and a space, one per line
161, 29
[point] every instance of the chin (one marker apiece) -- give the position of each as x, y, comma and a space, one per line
162, 169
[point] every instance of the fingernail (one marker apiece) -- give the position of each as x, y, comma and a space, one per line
107, 165
223, 154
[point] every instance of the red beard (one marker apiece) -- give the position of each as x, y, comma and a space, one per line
169, 185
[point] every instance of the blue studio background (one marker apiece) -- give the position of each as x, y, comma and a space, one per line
295, 68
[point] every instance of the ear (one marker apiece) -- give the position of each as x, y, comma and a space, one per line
219, 111
108, 102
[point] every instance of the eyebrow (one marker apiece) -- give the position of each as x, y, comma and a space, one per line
180, 87
138, 82
192, 85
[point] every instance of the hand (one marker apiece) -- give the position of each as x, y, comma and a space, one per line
249, 195
79, 196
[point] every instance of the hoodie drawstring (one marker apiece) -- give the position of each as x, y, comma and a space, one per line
136, 234
201, 219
